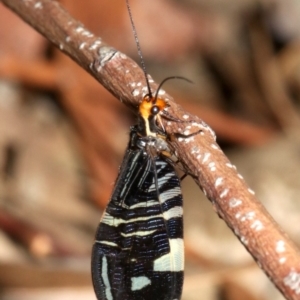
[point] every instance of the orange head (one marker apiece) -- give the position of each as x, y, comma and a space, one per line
149, 110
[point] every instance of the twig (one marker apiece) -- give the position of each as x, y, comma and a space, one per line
231, 197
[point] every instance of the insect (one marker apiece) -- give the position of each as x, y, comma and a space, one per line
138, 252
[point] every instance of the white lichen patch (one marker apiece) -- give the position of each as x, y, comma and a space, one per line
82, 45
282, 260
95, 45
189, 139
280, 246
244, 240
292, 280
257, 225
219, 181
248, 216
224, 193
206, 157
212, 166
123, 56
38, 5
135, 92
79, 29
234, 202
195, 149
251, 191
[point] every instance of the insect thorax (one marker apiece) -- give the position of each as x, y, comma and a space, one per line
153, 145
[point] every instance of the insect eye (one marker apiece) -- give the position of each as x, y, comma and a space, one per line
155, 110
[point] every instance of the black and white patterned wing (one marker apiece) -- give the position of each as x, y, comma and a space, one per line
138, 252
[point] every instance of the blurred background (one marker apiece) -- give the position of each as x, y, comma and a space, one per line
62, 137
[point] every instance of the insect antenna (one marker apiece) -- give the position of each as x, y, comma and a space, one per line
166, 79
139, 49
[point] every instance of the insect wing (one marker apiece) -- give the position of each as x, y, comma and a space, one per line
138, 252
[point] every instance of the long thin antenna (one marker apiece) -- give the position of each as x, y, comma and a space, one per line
139, 48
166, 79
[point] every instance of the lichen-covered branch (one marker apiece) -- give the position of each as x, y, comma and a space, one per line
230, 196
